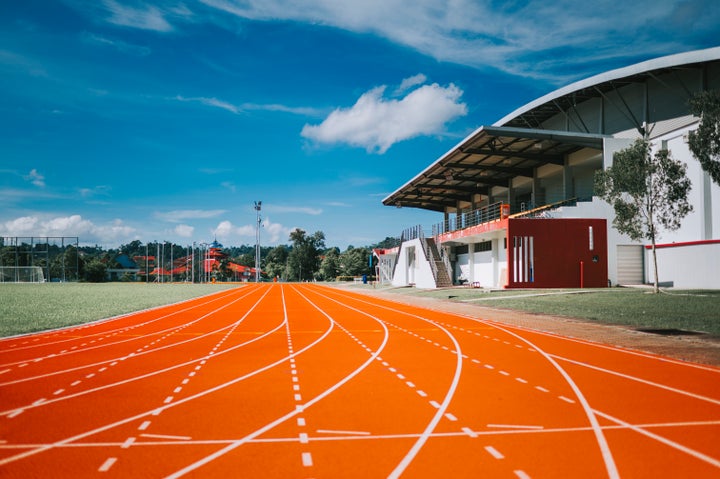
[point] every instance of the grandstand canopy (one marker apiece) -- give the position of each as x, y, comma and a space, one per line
491, 156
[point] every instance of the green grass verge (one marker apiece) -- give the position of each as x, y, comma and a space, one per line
685, 310
26, 308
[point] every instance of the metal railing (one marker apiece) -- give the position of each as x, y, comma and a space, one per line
468, 219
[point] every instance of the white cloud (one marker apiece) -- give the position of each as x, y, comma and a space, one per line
119, 45
270, 232
306, 210
88, 232
245, 107
376, 123
149, 18
36, 178
177, 216
508, 36
184, 231
410, 82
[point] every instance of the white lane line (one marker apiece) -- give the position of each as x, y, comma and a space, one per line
567, 400
301, 421
128, 442
5, 371
168, 400
150, 352
144, 426
163, 436
469, 432
643, 381
494, 452
514, 426
421, 393
299, 408
435, 404
608, 459
107, 464
520, 474
410, 384
450, 417
668, 442
542, 389
307, 460
303, 438
344, 433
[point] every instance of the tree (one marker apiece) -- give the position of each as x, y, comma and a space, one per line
304, 259
95, 271
704, 142
275, 261
330, 264
646, 191
354, 261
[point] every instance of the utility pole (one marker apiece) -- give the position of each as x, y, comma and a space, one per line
258, 205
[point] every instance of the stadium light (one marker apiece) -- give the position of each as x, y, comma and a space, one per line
258, 205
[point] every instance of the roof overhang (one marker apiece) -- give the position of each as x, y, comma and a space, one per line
490, 156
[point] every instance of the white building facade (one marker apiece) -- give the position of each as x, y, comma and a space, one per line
540, 162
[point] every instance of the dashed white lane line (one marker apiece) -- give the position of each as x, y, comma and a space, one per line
542, 389
521, 474
144, 426
107, 464
421, 393
128, 442
469, 432
307, 460
494, 452
567, 400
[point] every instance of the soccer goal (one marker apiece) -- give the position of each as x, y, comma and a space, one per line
21, 274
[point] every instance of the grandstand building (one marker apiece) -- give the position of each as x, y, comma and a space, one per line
517, 201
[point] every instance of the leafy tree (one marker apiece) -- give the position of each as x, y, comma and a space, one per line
275, 262
95, 271
354, 261
304, 259
704, 142
388, 242
647, 191
330, 264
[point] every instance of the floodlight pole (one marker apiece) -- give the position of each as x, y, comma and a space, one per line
258, 205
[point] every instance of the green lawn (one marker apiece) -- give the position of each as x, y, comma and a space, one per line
26, 308
686, 310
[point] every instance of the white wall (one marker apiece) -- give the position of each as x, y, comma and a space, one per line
688, 267
412, 267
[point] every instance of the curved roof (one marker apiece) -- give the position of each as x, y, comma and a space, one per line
534, 113
520, 142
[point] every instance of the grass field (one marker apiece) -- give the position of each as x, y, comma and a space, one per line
636, 307
25, 308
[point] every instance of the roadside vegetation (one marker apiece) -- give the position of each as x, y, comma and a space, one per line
26, 308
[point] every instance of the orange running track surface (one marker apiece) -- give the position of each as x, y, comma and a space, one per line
307, 381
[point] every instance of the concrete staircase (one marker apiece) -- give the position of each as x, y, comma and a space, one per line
442, 275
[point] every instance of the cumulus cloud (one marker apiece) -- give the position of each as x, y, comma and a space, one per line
271, 232
184, 231
75, 225
376, 123
36, 178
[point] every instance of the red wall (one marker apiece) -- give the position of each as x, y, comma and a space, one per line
559, 246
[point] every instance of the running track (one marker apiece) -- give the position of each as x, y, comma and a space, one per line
306, 381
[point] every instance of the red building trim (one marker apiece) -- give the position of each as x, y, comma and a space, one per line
686, 243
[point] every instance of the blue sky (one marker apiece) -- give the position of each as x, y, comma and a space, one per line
166, 120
